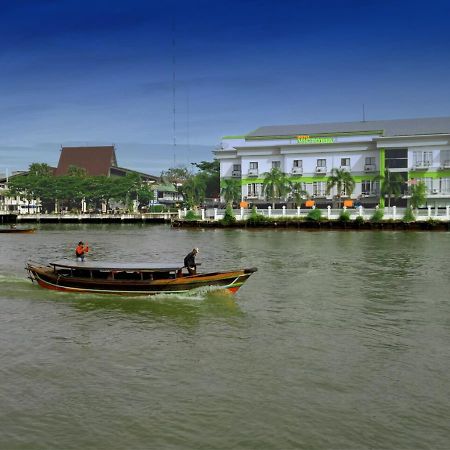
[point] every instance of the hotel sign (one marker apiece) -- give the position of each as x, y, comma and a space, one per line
305, 139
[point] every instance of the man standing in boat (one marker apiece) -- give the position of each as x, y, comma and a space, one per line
189, 262
81, 250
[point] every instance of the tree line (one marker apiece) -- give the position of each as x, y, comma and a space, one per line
68, 191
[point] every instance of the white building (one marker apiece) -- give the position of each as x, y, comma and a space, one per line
417, 149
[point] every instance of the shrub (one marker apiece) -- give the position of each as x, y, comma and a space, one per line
255, 217
228, 218
190, 215
156, 208
409, 215
344, 216
377, 216
314, 215
359, 220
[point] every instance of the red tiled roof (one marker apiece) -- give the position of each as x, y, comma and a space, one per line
96, 160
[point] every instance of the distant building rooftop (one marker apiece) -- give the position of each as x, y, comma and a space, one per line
388, 128
96, 160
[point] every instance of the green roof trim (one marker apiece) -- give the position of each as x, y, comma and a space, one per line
429, 174
242, 136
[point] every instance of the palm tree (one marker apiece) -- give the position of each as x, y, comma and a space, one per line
276, 185
390, 185
418, 195
343, 181
298, 193
231, 190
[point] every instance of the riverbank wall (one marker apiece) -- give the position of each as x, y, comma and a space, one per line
87, 218
388, 225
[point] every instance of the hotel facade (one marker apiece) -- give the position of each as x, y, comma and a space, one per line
416, 149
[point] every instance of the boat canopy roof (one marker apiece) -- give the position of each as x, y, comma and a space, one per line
107, 265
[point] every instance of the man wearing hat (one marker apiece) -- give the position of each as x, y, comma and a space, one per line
189, 262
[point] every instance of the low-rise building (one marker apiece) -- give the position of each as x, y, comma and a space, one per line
416, 149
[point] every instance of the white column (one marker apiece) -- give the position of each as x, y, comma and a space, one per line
103, 207
328, 212
269, 211
394, 212
447, 212
179, 213
185, 211
429, 212
360, 211
203, 214
298, 211
215, 213
83, 205
284, 210
242, 213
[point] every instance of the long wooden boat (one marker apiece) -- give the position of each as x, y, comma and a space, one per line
17, 230
130, 278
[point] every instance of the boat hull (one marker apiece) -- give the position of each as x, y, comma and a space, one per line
18, 230
47, 278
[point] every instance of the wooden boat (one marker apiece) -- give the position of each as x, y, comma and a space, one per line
130, 278
17, 230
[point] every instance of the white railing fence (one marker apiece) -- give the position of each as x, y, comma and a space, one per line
389, 213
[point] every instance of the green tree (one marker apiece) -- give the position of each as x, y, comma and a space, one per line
298, 193
209, 172
418, 194
231, 190
40, 169
276, 185
344, 182
194, 190
391, 185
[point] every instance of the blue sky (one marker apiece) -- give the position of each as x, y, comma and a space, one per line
101, 72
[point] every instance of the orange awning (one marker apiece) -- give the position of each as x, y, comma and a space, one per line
310, 203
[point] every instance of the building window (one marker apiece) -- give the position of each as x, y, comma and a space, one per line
422, 159
297, 163
444, 185
321, 163
254, 165
276, 164
429, 184
369, 187
369, 161
319, 188
253, 190
345, 162
445, 158
396, 158
236, 167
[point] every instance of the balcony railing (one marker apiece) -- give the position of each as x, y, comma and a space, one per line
297, 170
369, 168
321, 169
236, 173
422, 164
253, 172
445, 164
346, 168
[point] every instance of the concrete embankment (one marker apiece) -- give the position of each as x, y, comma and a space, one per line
88, 218
429, 225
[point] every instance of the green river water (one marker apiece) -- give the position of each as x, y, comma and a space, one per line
341, 340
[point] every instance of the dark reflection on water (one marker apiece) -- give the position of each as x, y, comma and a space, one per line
340, 340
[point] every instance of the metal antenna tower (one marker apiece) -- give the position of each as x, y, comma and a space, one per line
174, 94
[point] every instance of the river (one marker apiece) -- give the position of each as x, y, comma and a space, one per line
339, 341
